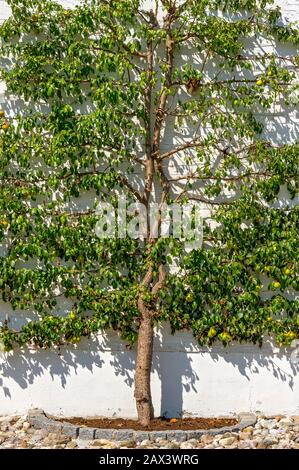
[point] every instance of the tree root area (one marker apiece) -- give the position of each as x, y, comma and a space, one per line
156, 424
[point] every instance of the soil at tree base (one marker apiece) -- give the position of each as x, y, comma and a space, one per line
157, 424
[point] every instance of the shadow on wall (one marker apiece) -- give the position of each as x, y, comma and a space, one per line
176, 365
23, 367
173, 368
176, 374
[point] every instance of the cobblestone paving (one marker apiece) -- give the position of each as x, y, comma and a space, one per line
279, 432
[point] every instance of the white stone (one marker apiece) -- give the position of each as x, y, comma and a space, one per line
268, 423
6, 419
111, 445
99, 442
230, 434
269, 441
275, 432
195, 441
286, 422
187, 445
145, 442
246, 444
243, 436
227, 441
206, 439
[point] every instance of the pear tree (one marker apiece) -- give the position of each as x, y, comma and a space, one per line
166, 104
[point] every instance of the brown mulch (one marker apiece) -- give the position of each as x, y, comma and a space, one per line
157, 424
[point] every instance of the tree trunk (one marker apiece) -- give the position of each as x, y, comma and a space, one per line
152, 145
145, 350
143, 369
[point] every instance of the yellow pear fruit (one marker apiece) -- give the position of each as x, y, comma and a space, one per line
212, 332
190, 297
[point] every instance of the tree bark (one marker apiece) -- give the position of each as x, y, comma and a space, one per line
143, 369
144, 357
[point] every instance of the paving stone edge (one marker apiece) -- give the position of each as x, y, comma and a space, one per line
39, 420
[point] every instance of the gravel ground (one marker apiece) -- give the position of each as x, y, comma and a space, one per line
279, 432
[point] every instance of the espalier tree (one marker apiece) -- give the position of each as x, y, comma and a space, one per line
102, 86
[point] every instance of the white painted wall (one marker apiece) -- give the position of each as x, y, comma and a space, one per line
96, 378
